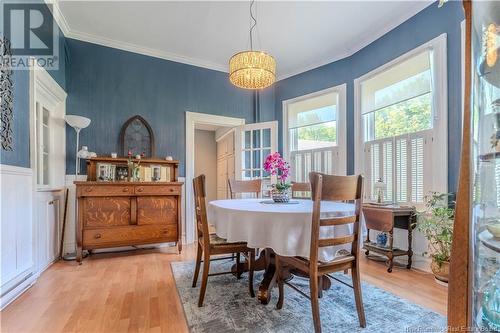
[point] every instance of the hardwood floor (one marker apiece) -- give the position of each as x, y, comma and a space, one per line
135, 291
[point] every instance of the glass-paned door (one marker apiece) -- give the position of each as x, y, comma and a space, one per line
253, 143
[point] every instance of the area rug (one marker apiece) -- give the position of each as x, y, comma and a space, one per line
229, 308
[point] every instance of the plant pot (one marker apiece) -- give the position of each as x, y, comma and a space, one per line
441, 272
280, 196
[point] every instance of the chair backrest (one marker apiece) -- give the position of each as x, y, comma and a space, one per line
301, 190
245, 186
335, 188
201, 208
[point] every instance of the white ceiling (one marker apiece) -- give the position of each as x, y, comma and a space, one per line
301, 35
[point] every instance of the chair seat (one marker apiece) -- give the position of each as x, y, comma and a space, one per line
302, 263
218, 241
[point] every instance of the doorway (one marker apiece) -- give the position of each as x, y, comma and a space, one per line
214, 158
200, 121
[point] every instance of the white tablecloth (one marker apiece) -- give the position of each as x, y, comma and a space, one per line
286, 228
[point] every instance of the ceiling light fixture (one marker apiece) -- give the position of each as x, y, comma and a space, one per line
252, 69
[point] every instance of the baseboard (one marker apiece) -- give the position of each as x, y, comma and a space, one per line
17, 291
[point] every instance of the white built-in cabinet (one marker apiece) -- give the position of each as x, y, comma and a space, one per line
225, 164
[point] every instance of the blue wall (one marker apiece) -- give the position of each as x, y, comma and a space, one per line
20, 155
109, 86
426, 25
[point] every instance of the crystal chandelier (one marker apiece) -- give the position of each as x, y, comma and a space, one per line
252, 69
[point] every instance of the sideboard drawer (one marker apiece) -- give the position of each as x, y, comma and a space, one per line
157, 190
105, 190
103, 237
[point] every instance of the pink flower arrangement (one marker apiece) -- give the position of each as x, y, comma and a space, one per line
275, 165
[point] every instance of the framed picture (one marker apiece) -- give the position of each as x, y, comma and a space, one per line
155, 173
106, 172
121, 173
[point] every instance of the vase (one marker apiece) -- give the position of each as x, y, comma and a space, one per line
280, 196
441, 271
382, 239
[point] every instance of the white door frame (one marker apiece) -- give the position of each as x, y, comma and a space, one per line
193, 119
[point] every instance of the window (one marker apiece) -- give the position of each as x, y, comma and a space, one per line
256, 147
43, 142
313, 133
401, 114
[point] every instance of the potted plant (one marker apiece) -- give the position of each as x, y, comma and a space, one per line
275, 165
436, 224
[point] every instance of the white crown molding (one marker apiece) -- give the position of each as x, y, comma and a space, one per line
145, 51
419, 6
58, 16
78, 35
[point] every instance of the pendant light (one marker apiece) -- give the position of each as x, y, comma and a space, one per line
252, 69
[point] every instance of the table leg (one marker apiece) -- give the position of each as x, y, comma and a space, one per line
367, 252
410, 238
270, 275
390, 254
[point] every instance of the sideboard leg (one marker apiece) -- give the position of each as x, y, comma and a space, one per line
79, 255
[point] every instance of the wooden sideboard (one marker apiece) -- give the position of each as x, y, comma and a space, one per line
123, 213
113, 214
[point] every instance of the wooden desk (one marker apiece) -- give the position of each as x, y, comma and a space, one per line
385, 219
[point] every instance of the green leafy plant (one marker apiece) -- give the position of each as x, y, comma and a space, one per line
436, 223
282, 186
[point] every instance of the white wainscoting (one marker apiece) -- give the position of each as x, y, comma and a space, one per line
18, 232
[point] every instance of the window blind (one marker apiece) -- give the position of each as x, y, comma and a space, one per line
312, 111
401, 162
404, 81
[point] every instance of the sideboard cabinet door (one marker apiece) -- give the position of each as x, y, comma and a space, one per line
157, 210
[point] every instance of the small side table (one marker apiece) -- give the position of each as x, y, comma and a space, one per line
385, 219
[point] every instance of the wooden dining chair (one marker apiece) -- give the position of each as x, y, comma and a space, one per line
328, 188
212, 245
298, 190
245, 186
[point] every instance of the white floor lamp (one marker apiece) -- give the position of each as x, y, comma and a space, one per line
78, 123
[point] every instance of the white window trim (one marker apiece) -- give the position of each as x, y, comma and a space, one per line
439, 107
341, 90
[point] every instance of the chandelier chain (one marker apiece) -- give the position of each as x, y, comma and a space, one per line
253, 24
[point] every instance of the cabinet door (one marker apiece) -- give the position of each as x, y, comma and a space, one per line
221, 148
157, 210
230, 143
106, 211
48, 218
221, 174
230, 167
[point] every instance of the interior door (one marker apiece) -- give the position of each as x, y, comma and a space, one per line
253, 142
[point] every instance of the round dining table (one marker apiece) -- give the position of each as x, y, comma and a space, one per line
277, 228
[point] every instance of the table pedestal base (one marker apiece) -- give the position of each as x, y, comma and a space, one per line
266, 262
